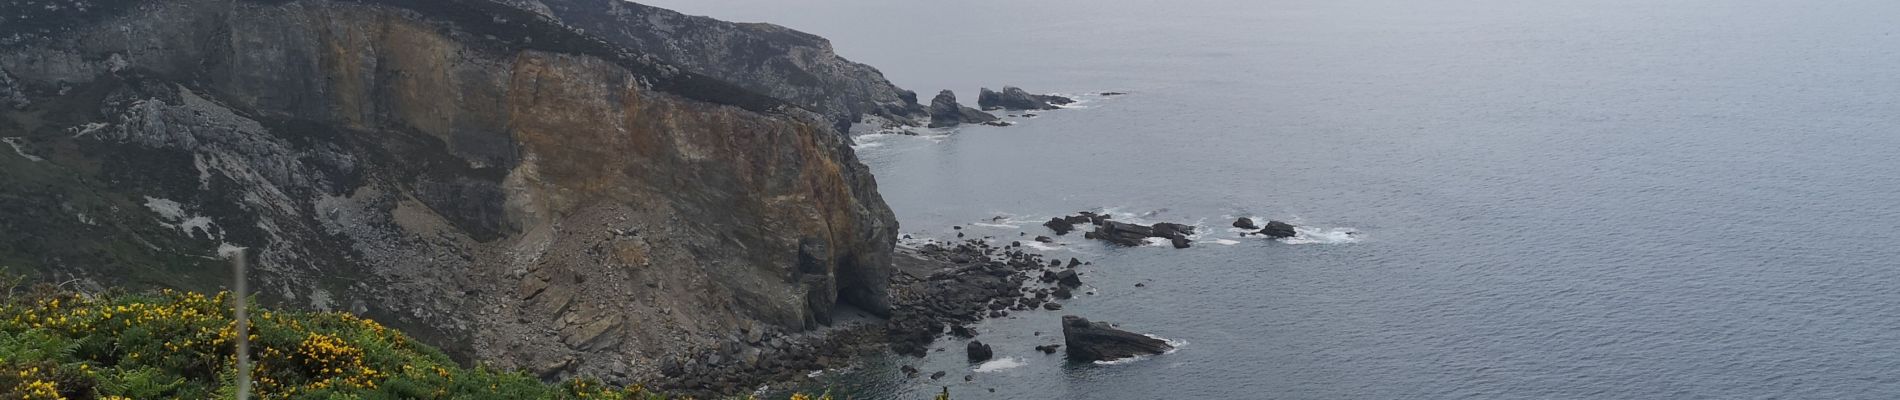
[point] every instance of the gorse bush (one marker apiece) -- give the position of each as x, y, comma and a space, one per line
182, 345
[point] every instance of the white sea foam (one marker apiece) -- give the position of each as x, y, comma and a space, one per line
1226, 242
1043, 246
1305, 235
986, 224
1000, 364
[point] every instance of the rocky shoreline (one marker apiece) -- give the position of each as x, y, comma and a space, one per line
940, 289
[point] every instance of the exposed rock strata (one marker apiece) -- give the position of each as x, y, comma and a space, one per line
505, 186
798, 67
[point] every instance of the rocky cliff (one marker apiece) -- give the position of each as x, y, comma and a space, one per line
512, 188
798, 67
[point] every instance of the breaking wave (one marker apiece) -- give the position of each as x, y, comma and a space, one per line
1000, 364
1305, 235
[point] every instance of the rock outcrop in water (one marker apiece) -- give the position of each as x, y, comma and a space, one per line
514, 189
1098, 341
946, 112
1278, 230
1127, 234
979, 352
1014, 98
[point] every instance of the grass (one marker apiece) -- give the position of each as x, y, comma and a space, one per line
181, 345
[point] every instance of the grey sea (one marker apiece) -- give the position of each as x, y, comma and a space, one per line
1562, 199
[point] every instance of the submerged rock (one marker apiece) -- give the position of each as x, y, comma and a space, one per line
1097, 341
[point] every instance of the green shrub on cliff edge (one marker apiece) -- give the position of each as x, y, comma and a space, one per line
181, 345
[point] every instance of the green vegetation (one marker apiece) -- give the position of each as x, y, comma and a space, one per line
182, 345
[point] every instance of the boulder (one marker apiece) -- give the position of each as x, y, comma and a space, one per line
1014, 98
1245, 223
1045, 239
1181, 242
1048, 348
1068, 279
1097, 341
1277, 230
1060, 226
979, 352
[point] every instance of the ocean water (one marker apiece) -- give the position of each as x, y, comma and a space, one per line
1565, 199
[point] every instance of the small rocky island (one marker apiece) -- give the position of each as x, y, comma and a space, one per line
946, 112
1090, 341
1014, 98
1128, 234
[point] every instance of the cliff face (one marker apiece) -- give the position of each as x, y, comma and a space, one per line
798, 67
514, 190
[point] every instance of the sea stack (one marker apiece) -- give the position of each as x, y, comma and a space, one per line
946, 112
1098, 341
1014, 98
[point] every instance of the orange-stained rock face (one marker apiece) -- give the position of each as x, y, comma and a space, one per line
523, 200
